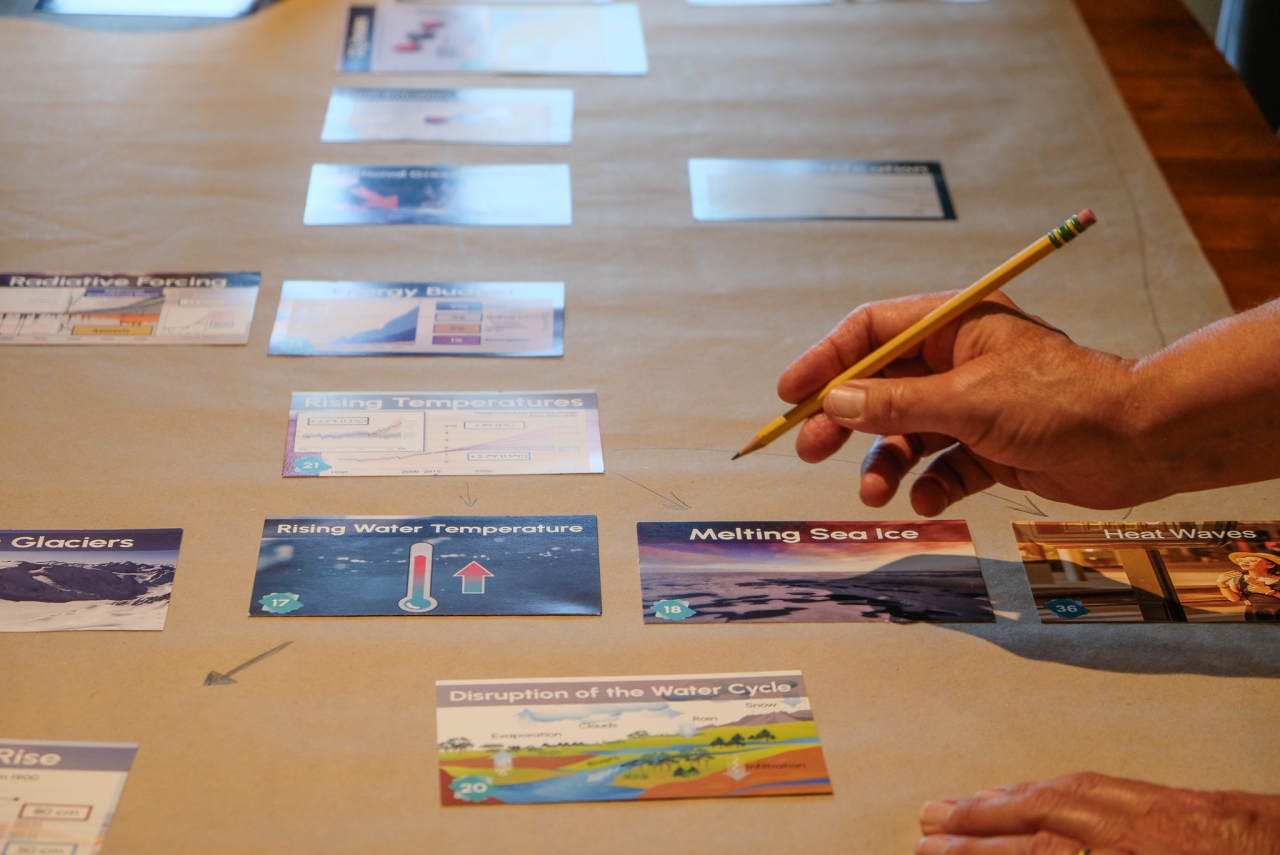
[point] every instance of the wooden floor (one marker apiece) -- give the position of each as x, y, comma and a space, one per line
1213, 144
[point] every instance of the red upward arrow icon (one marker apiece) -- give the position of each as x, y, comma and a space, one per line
473, 576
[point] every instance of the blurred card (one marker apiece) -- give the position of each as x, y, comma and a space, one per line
442, 433
818, 190
86, 579
767, 572
758, 2
58, 798
493, 116
1172, 572
127, 308
524, 195
434, 566
410, 38
419, 318
175, 8
610, 739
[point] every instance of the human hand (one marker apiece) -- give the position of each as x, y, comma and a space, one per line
1101, 815
1006, 398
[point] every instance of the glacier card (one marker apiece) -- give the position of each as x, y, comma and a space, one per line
434, 566
515, 195
818, 190
87, 579
791, 572
615, 739
442, 433
419, 318
489, 116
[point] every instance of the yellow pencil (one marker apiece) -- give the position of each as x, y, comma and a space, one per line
926, 326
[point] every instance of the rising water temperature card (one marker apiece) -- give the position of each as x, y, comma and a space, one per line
609, 739
420, 318
434, 566
442, 433
491, 116
57, 798
728, 572
126, 308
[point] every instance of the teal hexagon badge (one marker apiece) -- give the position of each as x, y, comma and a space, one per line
472, 788
672, 609
280, 604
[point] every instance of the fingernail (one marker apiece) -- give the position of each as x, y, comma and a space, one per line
846, 402
933, 845
934, 815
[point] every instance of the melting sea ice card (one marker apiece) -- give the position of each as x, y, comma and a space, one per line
607, 739
492, 116
718, 572
86, 580
436, 566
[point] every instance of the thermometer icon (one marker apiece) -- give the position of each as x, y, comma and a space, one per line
419, 598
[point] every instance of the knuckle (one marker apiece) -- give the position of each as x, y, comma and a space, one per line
1045, 843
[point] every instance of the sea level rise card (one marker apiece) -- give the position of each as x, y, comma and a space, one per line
718, 572
57, 798
1125, 572
434, 566
420, 318
85, 580
492, 116
126, 308
608, 739
442, 433
818, 190
413, 38
522, 195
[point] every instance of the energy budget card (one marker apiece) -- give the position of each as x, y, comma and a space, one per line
412, 38
419, 318
818, 190
1134, 572
788, 572
442, 433
520, 195
428, 566
127, 308
490, 116
57, 798
86, 579
612, 739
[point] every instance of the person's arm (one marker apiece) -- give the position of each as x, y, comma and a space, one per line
1009, 399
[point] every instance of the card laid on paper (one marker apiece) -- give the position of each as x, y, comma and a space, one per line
57, 798
86, 579
409, 38
818, 190
1127, 572
415, 318
491, 116
519, 195
126, 308
435, 566
609, 739
721, 572
758, 2
442, 433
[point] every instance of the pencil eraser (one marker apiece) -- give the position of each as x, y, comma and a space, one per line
1086, 218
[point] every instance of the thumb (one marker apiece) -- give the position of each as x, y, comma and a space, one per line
937, 403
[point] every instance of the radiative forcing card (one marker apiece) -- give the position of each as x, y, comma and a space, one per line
420, 318
818, 190
1170, 572
432, 566
491, 116
57, 798
126, 308
521, 195
412, 38
612, 739
746, 571
442, 433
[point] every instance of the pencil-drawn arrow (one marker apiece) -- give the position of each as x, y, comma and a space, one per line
473, 576
468, 501
1126, 513
1014, 506
673, 502
216, 679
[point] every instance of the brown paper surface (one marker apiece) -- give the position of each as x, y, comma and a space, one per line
190, 151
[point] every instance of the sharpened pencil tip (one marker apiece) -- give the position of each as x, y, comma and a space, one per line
736, 456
